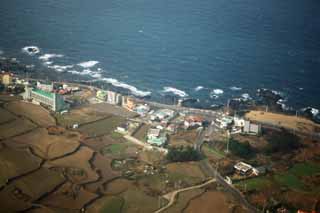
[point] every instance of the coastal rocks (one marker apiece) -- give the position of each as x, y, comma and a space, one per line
271, 98
311, 113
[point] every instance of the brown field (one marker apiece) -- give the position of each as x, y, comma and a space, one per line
19, 194
99, 142
8, 98
183, 138
286, 121
142, 132
183, 200
34, 112
190, 169
117, 186
68, 196
112, 109
103, 166
137, 201
16, 127
15, 163
77, 166
48, 146
101, 127
6, 116
80, 116
207, 202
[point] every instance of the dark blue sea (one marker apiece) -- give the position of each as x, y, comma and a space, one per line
209, 49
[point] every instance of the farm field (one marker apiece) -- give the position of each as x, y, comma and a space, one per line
16, 127
14, 163
48, 146
6, 116
33, 112
107, 204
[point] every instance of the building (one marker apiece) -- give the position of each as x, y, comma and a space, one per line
163, 114
101, 95
238, 122
45, 87
142, 109
113, 98
129, 103
193, 121
243, 168
252, 129
224, 122
155, 137
6, 78
52, 100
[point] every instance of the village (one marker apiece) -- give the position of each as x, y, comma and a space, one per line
138, 139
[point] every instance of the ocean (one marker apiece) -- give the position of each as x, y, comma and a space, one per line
211, 50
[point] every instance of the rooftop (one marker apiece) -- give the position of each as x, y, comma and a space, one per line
43, 93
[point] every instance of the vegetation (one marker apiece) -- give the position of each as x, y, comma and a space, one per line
182, 154
282, 141
242, 150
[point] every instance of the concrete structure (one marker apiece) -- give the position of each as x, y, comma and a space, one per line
238, 122
250, 128
243, 168
52, 100
224, 122
156, 138
193, 121
45, 87
6, 78
142, 110
113, 98
163, 114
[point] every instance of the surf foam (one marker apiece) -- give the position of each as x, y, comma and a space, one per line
31, 50
198, 88
175, 91
131, 88
88, 64
48, 56
234, 88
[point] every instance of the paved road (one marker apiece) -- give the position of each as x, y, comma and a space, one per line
172, 195
214, 173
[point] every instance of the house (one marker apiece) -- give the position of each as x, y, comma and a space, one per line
193, 121
243, 168
52, 100
155, 137
172, 128
142, 109
224, 122
252, 129
162, 114
238, 122
45, 87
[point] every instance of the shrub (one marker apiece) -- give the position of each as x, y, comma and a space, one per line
182, 154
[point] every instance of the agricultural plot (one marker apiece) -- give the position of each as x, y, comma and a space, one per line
68, 197
14, 163
16, 127
76, 166
107, 204
141, 134
33, 112
6, 116
101, 127
48, 146
20, 194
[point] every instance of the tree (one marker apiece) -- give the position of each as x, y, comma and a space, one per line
182, 154
282, 141
243, 150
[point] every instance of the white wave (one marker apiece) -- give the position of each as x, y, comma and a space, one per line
133, 89
48, 63
314, 111
60, 68
88, 64
74, 72
217, 91
300, 88
31, 50
48, 56
175, 91
234, 88
246, 96
198, 88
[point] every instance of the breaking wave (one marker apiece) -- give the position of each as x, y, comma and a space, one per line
48, 56
88, 64
31, 50
131, 88
60, 68
198, 88
175, 91
234, 88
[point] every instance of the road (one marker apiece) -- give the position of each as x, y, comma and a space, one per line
172, 195
205, 165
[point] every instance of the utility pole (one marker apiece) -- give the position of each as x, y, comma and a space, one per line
228, 140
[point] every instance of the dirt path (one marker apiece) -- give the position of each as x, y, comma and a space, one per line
172, 195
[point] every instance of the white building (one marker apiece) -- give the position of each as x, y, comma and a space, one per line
45, 87
250, 128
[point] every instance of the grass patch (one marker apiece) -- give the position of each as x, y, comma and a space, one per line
254, 183
116, 136
115, 149
290, 181
112, 205
305, 169
210, 150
